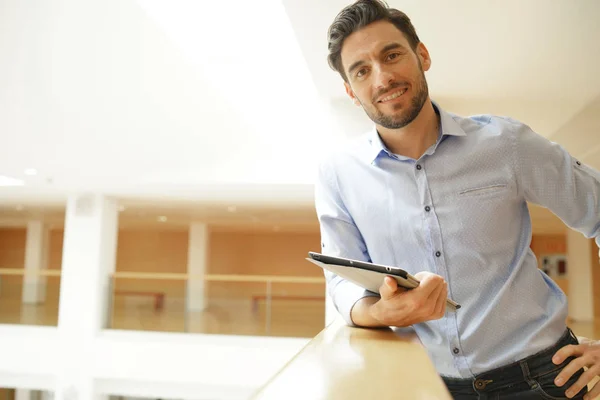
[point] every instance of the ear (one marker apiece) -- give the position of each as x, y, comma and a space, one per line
351, 94
423, 55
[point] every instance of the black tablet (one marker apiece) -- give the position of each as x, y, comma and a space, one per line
367, 275
325, 259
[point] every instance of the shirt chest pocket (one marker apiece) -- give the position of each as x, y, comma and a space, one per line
484, 212
489, 190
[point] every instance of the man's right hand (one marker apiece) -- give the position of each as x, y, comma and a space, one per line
401, 307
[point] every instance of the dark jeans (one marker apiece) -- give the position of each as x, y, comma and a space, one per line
530, 378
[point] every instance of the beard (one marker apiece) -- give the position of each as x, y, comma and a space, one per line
405, 117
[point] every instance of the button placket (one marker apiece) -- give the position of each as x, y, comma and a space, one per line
435, 241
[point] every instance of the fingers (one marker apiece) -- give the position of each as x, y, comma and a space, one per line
435, 293
435, 301
592, 394
569, 370
421, 275
389, 288
440, 306
566, 352
583, 380
426, 302
430, 286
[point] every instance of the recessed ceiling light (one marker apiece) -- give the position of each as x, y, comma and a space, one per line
8, 181
162, 218
31, 171
232, 208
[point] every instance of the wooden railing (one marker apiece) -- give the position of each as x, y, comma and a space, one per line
178, 276
21, 271
343, 363
218, 278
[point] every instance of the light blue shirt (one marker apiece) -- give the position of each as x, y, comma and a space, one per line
460, 211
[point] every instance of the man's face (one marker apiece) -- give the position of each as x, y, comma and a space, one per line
385, 75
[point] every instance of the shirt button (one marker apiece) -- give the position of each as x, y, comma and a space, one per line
455, 350
438, 254
427, 208
419, 167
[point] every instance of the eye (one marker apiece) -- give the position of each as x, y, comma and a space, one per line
392, 56
361, 72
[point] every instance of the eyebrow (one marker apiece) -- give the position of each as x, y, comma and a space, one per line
385, 49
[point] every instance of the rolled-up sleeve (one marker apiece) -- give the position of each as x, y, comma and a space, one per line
339, 237
551, 177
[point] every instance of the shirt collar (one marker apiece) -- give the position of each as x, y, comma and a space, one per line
448, 127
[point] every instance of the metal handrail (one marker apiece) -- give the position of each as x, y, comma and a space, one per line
178, 276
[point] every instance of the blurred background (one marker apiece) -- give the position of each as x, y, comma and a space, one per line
157, 162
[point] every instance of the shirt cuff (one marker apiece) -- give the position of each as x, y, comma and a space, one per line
346, 295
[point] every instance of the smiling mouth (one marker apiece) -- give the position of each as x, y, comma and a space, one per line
393, 96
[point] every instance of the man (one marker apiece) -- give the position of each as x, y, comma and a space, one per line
444, 197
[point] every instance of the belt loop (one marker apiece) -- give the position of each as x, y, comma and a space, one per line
526, 374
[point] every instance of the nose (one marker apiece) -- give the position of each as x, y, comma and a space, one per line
383, 78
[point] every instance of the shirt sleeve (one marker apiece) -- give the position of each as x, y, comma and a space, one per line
339, 237
551, 177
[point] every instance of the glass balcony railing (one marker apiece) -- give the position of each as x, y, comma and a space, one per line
147, 302
258, 305
39, 307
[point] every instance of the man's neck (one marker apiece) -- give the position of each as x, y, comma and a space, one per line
415, 138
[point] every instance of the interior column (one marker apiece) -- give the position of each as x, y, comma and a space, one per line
89, 255
196, 268
36, 258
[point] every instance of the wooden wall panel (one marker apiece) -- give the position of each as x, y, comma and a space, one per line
12, 247
255, 253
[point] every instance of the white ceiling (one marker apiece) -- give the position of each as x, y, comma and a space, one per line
214, 102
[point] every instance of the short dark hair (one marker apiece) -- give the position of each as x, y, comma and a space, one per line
357, 16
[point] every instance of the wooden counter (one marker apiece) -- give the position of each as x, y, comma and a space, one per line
349, 363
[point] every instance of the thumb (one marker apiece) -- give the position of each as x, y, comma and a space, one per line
388, 288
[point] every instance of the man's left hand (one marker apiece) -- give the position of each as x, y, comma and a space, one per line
587, 354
